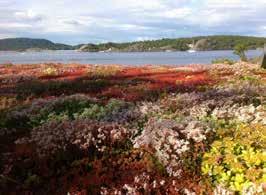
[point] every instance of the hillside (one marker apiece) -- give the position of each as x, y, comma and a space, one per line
180, 44
201, 43
21, 44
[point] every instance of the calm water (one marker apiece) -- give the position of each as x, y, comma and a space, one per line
141, 58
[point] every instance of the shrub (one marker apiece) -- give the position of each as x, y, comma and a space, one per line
103, 71
41, 110
114, 110
50, 71
223, 61
233, 165
6, 102
8, 65
60, 109
253, 135
32, 181
251, 79
56, 137
240, 51
237, 160
69, 107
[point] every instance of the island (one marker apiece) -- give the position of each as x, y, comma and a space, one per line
201, 43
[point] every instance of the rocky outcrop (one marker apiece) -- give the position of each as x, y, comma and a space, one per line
83, 47
202, 45
88, 48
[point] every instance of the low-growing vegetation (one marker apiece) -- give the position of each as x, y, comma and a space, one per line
86, 129
237, 159
223, 61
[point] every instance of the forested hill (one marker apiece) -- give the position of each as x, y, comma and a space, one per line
22, 44
180, 44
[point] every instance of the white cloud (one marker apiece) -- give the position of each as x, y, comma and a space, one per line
27, 15
72, 22
177, 13
122, 20
132, 27
15, 25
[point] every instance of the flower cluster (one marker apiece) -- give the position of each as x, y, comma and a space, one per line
147, 184
54, 136
170, 140
233, 101
248, 114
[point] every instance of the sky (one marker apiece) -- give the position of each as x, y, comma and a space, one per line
97, 21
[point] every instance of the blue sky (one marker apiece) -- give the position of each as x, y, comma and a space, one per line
83, 21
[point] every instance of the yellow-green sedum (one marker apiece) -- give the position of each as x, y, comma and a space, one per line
237, 160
